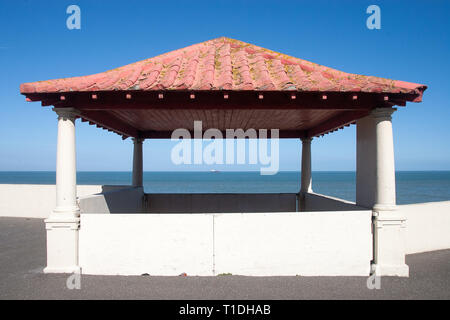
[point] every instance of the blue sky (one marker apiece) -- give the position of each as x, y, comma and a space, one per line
412, 45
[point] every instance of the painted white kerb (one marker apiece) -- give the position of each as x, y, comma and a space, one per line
64, 222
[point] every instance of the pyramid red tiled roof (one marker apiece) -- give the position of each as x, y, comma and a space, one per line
226, 64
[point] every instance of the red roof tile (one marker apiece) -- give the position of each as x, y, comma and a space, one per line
225, 64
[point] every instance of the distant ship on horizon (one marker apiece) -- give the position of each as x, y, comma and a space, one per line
214, 170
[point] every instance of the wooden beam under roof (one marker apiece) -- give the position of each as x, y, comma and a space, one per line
342, 119
108, 121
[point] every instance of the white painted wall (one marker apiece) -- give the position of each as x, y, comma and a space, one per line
37, 201
124, 200
320, 202
34, 200
427, 226
307, 243
237, 203
157, 244
220, 202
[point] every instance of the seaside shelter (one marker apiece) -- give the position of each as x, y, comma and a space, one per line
227, 84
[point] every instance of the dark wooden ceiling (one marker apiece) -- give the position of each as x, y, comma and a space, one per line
157, 114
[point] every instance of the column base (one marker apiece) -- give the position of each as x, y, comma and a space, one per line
62, 243
389, 244
301, 200
73, 269
377, 208
390, 270
60, 213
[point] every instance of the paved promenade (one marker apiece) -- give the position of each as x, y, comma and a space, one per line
22, 257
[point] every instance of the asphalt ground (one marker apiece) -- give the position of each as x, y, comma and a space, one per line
22, 258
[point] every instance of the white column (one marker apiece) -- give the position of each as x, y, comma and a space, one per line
306, 180
385, 192
137, 163
63, 223
376, 190
306, 166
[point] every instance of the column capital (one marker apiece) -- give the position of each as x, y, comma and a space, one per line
138, 140
306, 140
383, 113
67, 113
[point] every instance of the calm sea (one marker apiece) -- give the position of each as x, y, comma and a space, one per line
412, 186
